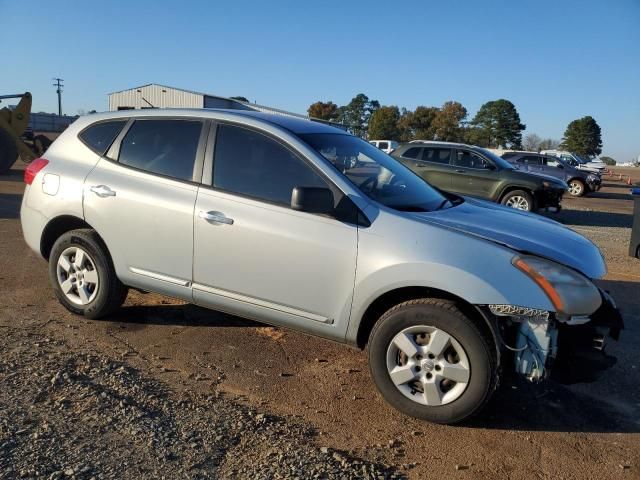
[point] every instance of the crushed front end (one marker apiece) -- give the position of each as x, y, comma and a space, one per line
573, 345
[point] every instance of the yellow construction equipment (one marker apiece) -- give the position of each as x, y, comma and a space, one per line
13, 126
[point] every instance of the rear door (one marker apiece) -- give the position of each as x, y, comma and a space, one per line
431, 163
140, 198
255, 256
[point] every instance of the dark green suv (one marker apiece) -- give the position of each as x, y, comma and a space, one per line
474, 171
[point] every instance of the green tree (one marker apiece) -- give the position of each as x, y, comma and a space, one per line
583, 136
499, 125
324, 110
356, 114
447, 124
383, 123
608, 160
242, 99
417, 124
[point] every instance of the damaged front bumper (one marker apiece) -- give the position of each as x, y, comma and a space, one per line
574, 346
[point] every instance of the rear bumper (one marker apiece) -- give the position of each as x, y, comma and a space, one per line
33, 223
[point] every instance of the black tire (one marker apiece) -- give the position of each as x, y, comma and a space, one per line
111, 293
8, 152
579, 187
443, 315
514, 194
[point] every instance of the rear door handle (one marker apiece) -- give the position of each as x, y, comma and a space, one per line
216, 217
103, 191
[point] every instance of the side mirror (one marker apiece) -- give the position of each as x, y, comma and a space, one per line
489, 166
560, 165
312, 199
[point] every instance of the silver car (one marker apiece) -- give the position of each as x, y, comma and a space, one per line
299, 224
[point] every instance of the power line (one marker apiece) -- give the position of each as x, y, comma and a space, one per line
59, 86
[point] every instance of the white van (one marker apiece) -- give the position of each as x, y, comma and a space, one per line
387, 146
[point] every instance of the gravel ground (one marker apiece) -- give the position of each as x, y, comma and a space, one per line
164, 389
71, 414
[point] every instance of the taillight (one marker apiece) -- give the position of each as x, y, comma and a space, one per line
33, 169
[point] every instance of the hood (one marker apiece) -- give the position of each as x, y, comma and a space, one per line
548, 178
523, 232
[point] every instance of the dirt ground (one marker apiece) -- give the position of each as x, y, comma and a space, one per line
527, 431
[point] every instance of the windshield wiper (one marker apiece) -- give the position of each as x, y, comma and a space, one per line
444, 202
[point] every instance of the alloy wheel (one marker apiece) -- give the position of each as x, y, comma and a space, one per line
518, 202
575, 188
427, 365
77, 275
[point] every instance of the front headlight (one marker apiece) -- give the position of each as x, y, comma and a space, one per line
591, 178
564, 287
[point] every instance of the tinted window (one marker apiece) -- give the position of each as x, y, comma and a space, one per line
467, 159
375, 173
165, 147
249, 163
383, 145
98, 137
533, 160
413, 152
436, 155
509, 155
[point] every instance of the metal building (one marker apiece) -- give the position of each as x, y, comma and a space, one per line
162, 96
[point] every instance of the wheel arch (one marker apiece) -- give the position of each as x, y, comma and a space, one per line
393, 297
511, 188
60, 225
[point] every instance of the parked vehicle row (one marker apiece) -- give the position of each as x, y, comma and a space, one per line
470, 170
580, 182
302, 225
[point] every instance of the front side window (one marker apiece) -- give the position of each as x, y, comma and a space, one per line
467, 159
249, 163
165, 147
376, 174
551, 161
436, 155
99, 136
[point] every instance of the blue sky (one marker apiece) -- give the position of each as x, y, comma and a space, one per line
555, 60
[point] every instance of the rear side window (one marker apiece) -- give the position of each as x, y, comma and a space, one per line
383, 145
165, 147
532, 160
251, 164
413, 152
437, 155
98, 137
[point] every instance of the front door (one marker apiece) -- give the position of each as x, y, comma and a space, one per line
141, 203
256, 257
473, 174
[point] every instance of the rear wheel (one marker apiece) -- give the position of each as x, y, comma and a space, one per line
576, 188
8, 152
432, 362
82, 275
518, 199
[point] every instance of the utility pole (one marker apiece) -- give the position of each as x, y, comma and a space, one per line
59, 86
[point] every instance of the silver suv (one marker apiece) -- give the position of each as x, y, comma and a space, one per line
301, 225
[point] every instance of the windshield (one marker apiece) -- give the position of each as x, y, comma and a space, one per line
499, 161
375, 173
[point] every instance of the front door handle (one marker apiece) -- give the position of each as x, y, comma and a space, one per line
216, 217
103, 191
460, 171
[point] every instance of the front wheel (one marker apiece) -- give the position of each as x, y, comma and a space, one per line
82, 275
576, 188
432, 362
518, 199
